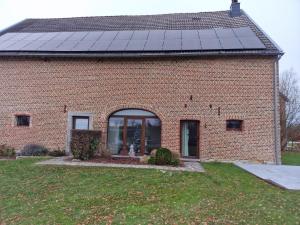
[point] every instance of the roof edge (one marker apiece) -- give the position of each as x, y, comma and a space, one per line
3, 31
127, 15
280, 51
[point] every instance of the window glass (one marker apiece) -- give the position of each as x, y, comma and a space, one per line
234, 124
80, 123
153, 134
115, 135
23, 121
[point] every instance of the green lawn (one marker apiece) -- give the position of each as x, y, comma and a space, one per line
32, 194
291, 158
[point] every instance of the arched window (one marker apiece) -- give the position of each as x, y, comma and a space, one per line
135, 128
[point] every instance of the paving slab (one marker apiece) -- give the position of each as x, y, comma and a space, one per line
287, 177
60, 161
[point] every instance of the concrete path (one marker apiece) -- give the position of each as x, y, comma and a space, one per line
287, 177
188, 166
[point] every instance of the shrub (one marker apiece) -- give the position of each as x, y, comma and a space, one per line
85, 152
57, 152
6, 151
34, 150
163, 156
175, 162
151, 160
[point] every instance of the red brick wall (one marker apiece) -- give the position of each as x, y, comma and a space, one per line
241, 87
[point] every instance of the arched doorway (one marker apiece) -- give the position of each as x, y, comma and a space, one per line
138, 128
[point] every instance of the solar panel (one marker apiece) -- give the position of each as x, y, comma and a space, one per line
124, 35
33, 46
118, 45
62, 36
47, 36
50, 45
66, 46
140, 35
191, 44
190, 34
93, 36
230, 43
154, 45
5, 44
243, 32
173, 34
224, 33
210, 44
156, 35
33, 36
108, 35
77, 36
170, 45
17, 45
208, 33
136, 45
83, 46
100, 46
251, 43
138, 40
19, 36
7, 36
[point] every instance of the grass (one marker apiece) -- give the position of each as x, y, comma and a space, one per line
32, 194
291, 158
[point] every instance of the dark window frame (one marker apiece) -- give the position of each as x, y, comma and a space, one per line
141, 117
198, 139
74, 118
241, 127
20, 123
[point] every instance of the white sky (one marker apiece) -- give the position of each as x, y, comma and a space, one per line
280, 19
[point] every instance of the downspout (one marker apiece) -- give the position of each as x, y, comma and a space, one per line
276, 113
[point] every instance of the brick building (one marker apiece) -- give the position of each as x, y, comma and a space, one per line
202, 84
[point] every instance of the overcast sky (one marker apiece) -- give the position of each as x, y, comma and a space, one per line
279, 19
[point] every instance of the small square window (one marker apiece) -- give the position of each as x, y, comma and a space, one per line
23, 121
81, 122
236, 125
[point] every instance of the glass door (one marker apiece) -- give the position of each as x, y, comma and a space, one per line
189, 138
135, 135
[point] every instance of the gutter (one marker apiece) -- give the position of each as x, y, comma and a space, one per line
136, 54
277, 145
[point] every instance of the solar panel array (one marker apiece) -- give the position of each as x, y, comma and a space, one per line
133, 41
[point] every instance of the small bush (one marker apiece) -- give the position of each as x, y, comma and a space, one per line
6, 151
163, 156
86, 153
152, 160
175, 162
34, 150
57, 152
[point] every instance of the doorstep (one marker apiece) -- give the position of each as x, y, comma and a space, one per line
60, 161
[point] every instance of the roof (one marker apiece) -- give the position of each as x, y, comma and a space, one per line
179, 21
